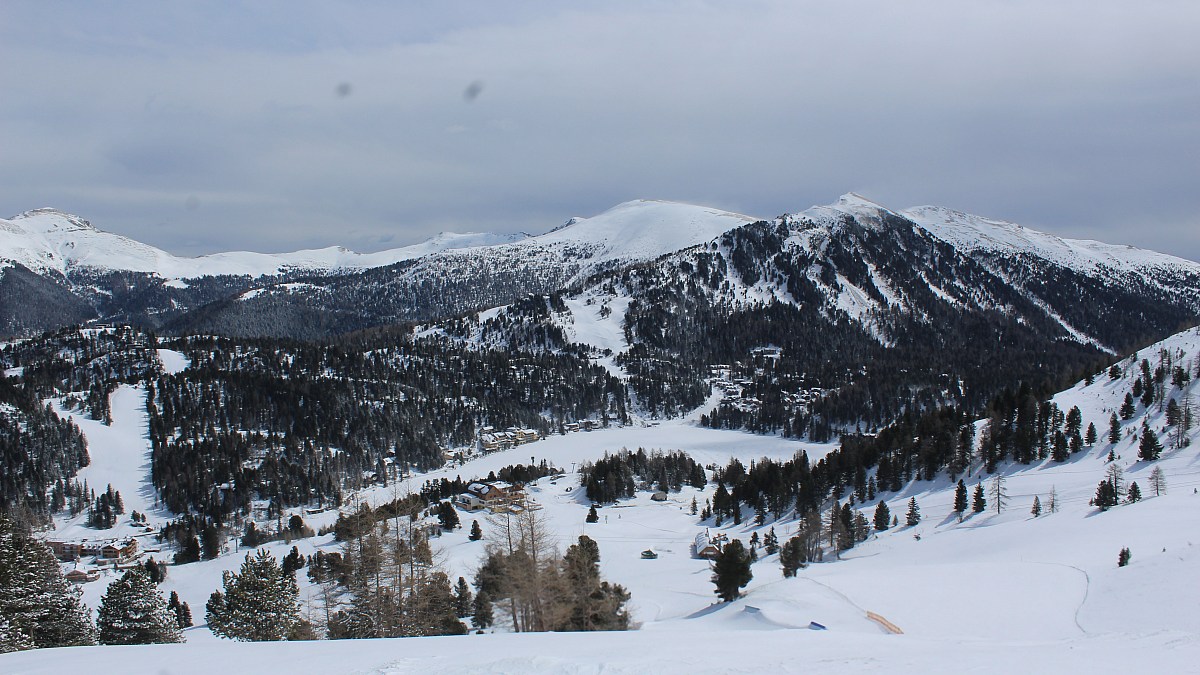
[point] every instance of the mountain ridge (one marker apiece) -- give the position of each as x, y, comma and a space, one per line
324, 292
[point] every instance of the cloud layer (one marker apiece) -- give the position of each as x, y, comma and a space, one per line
276, 126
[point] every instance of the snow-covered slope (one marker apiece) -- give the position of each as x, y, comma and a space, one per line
971, 233
46, 240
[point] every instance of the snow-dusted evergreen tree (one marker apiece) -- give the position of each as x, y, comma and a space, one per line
481, 615
1114, 430
133, 612
259, 603
463, 598
1149, 448
771, 542
592, 604
1127, 408
183, 613
731, 571
1106, 495
12, 639
883, 516
792, 556
914, 513
1134, 494
1037, 507
979, 502
35, 601
960, 498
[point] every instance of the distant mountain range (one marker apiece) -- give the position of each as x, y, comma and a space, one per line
59, 270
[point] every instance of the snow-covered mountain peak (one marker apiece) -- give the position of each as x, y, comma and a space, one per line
644, 229
865, 212
48, 219
852, 201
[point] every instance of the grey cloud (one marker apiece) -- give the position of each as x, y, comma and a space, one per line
1076, 117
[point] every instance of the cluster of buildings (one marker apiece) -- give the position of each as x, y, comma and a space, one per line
491, 440
118, 551
112, 552
733, 388
495, 497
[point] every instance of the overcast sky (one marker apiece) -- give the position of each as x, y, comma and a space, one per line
273, 126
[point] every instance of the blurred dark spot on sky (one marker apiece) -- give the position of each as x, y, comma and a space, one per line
344, 89
473, 90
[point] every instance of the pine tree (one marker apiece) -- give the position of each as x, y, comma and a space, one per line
1127, 408
1053, 505
914, 513
481, 616
1173, 413
592, 604
695, 507
1114, 430
183, 613
1149, 448
1037, 507
12, 639
133, 612
978, 503
464, 600
792, 556
592, 516
293, 562
1135, 493
1090, 436
447, 516
476, 532
39, 606
960, 498
1124, 557
731, 571
771, 542
1106, 495
883, 516
260, 603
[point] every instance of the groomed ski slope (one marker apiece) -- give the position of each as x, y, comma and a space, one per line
997, 592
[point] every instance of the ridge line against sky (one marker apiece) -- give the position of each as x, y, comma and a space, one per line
279, 126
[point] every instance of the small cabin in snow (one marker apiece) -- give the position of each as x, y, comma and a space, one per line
704, 547
78, 576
